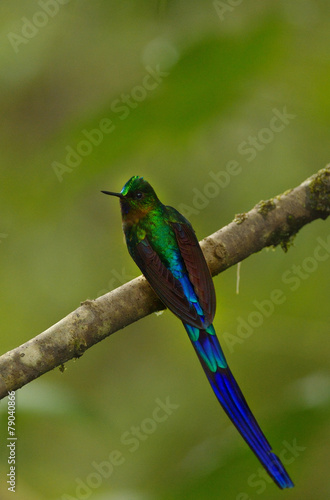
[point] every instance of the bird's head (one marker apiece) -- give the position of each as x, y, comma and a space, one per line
137, 198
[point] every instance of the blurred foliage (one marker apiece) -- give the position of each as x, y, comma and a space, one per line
65, 68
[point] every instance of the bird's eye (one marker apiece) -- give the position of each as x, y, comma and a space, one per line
138, 195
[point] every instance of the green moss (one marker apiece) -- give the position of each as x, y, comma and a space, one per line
282, 195
281, 237
284, 236
79, 347
320, 192
264, 207
239, 218
318, 199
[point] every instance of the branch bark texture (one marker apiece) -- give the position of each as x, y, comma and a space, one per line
270, 223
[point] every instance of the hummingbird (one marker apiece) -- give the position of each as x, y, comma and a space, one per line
163, 244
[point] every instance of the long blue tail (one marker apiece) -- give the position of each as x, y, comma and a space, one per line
233, 402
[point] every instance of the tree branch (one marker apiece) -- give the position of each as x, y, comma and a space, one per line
269, 223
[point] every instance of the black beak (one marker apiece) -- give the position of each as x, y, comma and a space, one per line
119, 195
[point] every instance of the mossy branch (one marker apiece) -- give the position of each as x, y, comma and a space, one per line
270, 223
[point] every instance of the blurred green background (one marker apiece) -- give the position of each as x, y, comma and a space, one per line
219, 74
